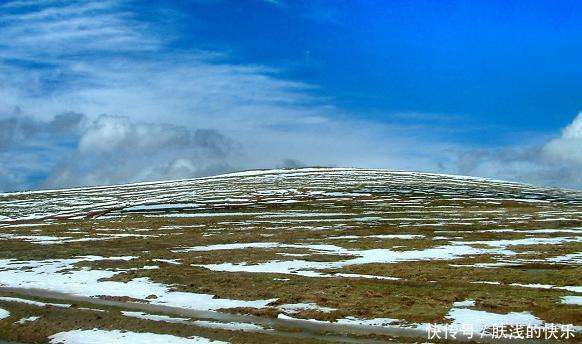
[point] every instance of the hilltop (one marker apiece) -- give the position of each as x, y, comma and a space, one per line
299, 255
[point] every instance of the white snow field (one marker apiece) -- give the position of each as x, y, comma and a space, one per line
96, 336
290, 255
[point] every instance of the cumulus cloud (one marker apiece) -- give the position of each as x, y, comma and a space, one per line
30, 148
568, 147
556, 162
74, 151
115, 150
17, 129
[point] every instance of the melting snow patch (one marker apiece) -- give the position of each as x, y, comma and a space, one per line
168, 261
482, 319
519, 242
56, 275
576, 289
296, 307
91, 309
54, 240
4, 313
202, 214
466, 303
345, 194
295, 214
167, 206
220, 247
544, 231
487, 282
376, 322
305, 268
35, 239
364, 276
96, 336
568, 258
154, 317
380, 236
231, 326
572, 300
293, 254
367, 322
25, 320
34, 303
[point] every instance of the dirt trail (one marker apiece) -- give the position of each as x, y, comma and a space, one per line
309, 329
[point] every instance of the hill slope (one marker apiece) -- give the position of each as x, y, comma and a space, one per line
362, 252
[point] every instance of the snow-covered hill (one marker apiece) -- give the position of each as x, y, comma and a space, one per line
314, 250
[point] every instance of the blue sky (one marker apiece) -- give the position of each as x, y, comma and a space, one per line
100, 92
509, 64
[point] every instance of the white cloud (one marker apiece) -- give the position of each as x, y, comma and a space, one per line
52, 30
567, 147
556, 162
115, 150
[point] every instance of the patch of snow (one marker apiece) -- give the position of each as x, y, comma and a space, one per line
169, 261
380, 236
549, 231
150, 207
26, 224
35, 239
347, 321
293, 254
96, 336
296, 307
465, 303
572, 300
25, 320
147, 267
219, 247
55, 240
387, 256
91, 309
306, 268
576, 289
294, 214
202, 214
364, 276
519, 242
155, 317
4, 313
482, 319
487, 282
367, 322
346, 194
34, 303
568, 258
59, 275
484, 265
231, 326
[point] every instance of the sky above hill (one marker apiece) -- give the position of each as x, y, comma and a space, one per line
116, 91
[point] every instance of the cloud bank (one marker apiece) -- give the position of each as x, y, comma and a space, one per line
557, 162
115, 150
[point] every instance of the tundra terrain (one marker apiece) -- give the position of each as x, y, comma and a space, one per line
290, 256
